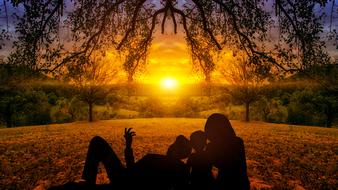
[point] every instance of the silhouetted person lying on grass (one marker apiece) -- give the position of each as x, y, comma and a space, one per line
226, 152
153, 171
200, 167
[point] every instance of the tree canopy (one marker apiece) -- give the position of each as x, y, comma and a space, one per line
283, 35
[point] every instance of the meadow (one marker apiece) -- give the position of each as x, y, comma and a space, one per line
279, 156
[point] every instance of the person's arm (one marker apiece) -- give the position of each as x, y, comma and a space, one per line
128, 151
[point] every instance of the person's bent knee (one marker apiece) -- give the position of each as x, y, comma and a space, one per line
99, 147
96, 140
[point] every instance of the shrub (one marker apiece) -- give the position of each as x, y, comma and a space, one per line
151, 107
52, 98
186, 107
126, 114
104, 112
78, 109
270, 110
302, 109
35, 110
60, 112
278, 112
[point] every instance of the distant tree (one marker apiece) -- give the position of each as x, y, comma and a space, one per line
20, 103
264, 106
78, 109
10, 104
92, 78
186, 107
245, 83
61, 112
36, 110
114, 100
271, 110
151, 107
323, 95
222, 100
328, 103
11, 93
326, 97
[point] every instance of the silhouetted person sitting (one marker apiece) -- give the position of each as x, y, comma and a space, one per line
153, 171
200, 167
226, 152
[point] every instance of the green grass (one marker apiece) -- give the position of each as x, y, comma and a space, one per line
278, 156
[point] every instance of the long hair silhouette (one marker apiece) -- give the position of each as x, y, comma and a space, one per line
218, 127
226, 152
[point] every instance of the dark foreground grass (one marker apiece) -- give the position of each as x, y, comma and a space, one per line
278, 156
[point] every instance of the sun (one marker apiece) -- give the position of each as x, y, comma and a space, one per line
169, 83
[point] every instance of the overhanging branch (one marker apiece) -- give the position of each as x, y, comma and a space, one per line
133, 24
205, 24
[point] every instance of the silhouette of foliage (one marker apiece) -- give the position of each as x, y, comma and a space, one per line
129, 26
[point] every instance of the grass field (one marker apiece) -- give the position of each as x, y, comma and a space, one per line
278, 156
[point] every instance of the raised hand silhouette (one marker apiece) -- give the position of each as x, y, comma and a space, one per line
128, 136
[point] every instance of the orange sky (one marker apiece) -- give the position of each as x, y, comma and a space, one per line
168, 57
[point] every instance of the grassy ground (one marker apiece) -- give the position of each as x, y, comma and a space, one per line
278, 156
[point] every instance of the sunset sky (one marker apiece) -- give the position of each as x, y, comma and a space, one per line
169, 57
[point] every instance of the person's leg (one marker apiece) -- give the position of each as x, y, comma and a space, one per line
100, 151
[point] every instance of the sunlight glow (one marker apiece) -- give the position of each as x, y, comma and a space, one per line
169, 83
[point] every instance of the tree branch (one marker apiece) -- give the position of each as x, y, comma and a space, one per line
163, 21
248, 41
88, 42
205, 24
133, 24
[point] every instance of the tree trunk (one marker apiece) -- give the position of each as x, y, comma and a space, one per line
329, 116
8, 121
265, 114
265, 117
247, 111
8, 116
90, 112
329, 123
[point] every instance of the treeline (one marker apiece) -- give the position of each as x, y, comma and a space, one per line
37, 100
54, 102
41, 102
296, 102
285, 102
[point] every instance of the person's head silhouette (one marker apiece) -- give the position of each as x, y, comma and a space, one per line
218, 128
180, 149
198, 140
